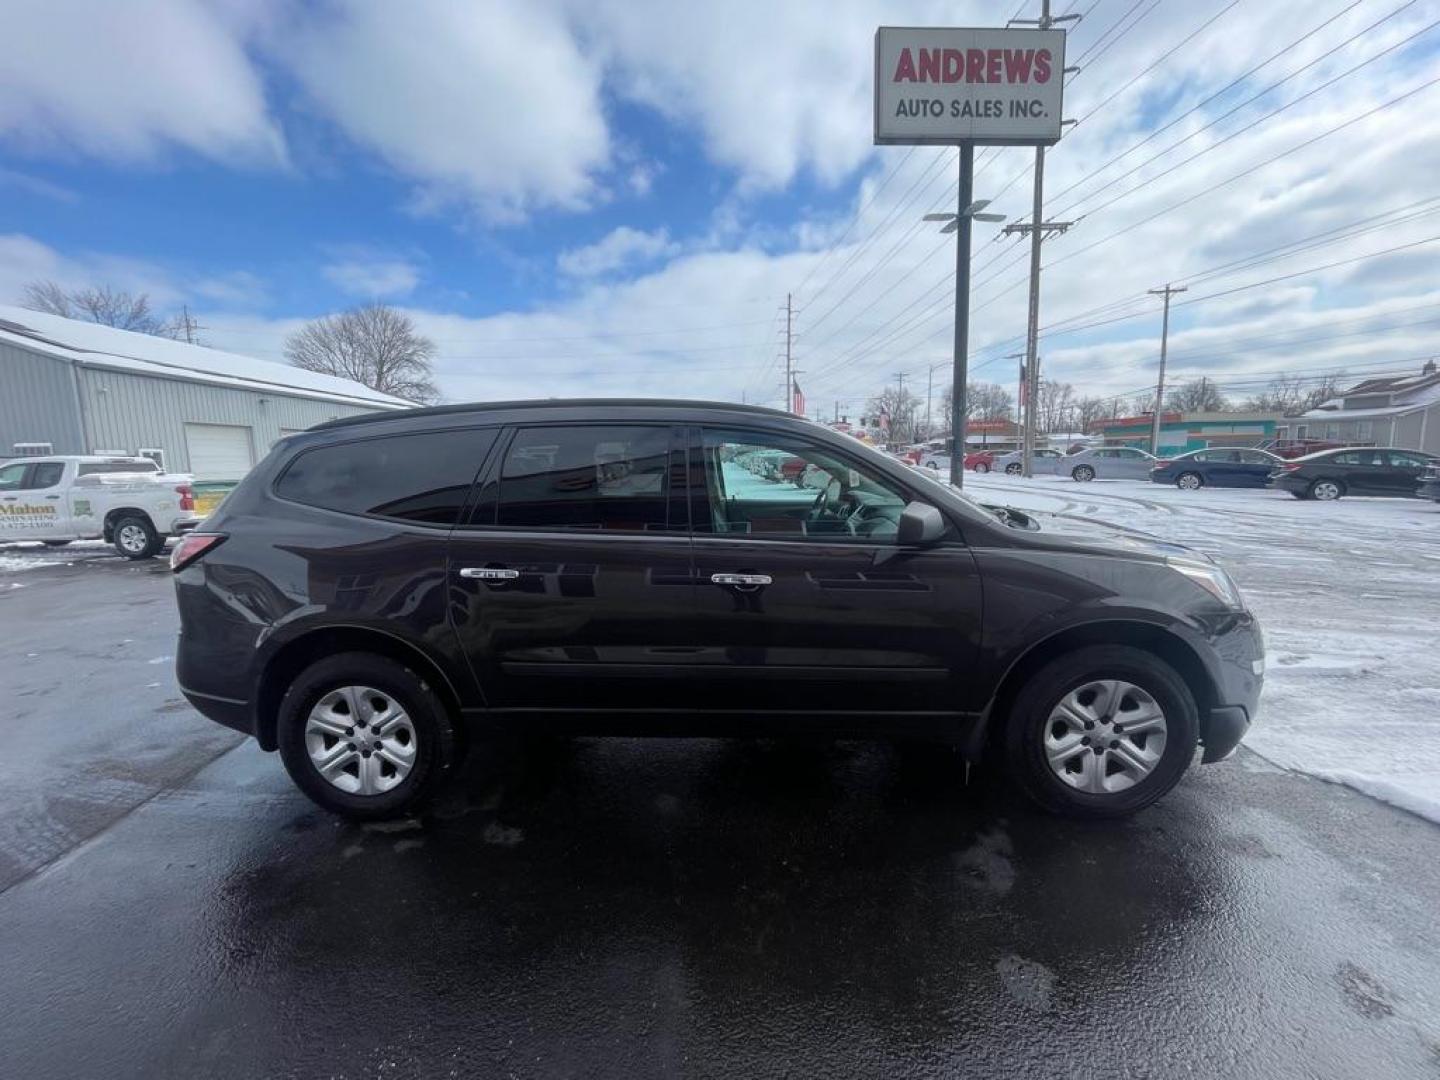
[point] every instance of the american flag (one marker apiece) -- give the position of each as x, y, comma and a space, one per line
797, 398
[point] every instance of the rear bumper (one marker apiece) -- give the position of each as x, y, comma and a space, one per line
1288, 483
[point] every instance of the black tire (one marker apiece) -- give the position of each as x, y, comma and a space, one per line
1083, 473
1014, 469
55, 543
135, 537
1030, 716
1183, 486
982, 467
1321, 490
435, 737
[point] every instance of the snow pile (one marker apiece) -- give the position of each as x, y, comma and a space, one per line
1348, 594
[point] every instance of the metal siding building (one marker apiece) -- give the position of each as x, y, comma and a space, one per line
83, 388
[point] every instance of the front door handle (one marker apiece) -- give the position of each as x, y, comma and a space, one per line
488, 573
52, 496
742, 582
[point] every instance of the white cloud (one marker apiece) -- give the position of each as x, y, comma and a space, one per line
35, 185
129, 81
622, 248
372, 275
770, 88
492, 106
24, 259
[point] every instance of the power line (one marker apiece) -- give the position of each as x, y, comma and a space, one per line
1242, 130
1217, 94
1254, 168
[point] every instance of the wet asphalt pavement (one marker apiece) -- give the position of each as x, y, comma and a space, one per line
170, 906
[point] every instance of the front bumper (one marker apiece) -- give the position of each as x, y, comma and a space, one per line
1239, 646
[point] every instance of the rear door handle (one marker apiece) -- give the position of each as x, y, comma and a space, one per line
743, 582
488, 573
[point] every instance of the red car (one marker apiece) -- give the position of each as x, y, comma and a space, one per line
980, 460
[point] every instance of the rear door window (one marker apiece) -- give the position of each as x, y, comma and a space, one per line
46, 475
603, 477
1407, 461
424, 477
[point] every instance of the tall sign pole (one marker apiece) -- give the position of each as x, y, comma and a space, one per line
954, 86
960, 374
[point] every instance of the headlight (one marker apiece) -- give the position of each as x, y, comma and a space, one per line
1210, 578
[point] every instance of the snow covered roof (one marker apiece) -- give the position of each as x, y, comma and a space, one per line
1411, 400
93, 345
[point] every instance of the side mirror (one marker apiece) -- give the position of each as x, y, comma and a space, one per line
920, 525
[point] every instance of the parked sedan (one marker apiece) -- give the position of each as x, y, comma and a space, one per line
1013, 463
1357, 471
1107, 463
1217, 467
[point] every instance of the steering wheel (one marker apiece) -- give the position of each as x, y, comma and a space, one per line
819, 506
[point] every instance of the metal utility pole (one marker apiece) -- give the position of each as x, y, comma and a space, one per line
967, 211
1167, 292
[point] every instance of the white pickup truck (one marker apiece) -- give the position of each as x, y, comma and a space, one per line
126, 501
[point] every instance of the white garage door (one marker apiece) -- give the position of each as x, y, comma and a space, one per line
219, 451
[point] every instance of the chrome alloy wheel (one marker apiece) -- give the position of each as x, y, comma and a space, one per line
1105, 736
360, 740
1188, 482
1325, 490
132, 538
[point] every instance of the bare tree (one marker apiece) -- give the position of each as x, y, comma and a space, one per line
1291, 395
1197, 395
904, 409
1055, 400
1090, 409
983, 401
98, 304
374, 344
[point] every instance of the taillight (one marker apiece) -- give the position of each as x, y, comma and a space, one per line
191, 547
1291, 466
187, 496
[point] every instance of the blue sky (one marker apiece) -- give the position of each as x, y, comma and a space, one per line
615, 196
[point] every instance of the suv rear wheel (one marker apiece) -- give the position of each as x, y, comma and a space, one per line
364, 736
1102, 732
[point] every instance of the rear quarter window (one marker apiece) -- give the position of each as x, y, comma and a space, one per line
422, 477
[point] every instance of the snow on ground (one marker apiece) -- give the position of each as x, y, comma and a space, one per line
15, 558
1348, 594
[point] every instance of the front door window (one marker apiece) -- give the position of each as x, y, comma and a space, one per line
783, 489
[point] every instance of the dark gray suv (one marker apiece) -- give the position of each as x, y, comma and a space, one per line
381, 590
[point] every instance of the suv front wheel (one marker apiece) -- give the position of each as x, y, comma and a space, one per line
364, 736
1102, 732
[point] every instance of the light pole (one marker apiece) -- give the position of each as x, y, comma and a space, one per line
967, 210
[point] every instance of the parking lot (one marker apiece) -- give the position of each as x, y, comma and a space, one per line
171, 906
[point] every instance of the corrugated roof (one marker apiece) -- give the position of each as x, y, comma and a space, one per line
123, 350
